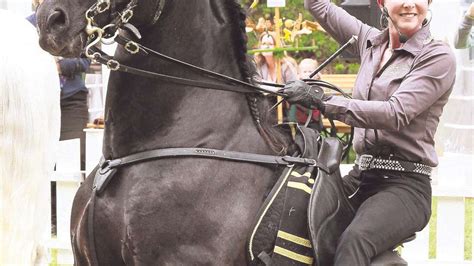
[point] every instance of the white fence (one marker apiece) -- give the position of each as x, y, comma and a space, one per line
452, 184
68, 178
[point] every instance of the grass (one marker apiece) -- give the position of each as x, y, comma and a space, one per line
469, 203
54, 257
432, 225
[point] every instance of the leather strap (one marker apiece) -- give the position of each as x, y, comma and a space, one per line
177, 80
143, 50
203, 153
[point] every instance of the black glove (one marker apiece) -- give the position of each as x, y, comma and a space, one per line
298, 92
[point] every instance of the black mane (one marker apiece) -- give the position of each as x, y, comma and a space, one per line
259, 105
237, 16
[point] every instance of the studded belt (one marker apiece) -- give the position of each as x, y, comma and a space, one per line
367, 162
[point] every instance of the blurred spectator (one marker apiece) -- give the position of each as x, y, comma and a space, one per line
74, 109
464, 38
267, 68
266, 62
305, 68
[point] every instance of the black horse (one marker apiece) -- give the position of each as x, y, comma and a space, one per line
171, 211
177, 210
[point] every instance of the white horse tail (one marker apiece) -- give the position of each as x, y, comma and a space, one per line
29, 133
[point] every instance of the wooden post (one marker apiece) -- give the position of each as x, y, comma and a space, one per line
279, 78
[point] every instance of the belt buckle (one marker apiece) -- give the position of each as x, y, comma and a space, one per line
364, 161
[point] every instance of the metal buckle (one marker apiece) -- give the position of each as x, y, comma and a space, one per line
105, 167
108, 165
127, 15
102, 6
364, 161
113, 65
132, 47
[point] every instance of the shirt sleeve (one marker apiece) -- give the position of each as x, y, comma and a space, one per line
339, 24
72, 66
462, 37
431, 77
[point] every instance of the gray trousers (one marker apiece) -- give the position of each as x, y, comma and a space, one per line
391, 206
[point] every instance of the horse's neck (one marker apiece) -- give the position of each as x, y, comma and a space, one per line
143, 114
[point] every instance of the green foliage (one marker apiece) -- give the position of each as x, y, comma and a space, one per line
353, 68
346, 68
325, 44
339, 68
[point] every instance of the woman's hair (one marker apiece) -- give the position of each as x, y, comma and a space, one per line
259, 58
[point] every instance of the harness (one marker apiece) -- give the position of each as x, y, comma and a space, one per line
110, 33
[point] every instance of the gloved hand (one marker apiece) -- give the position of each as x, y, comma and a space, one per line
298, 92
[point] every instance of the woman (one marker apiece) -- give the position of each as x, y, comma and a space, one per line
74, 93
267, 68
404, 81
266, 62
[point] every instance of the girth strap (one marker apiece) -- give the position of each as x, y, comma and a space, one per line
108, 167
205, 153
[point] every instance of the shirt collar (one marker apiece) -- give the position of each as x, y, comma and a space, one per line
413, 45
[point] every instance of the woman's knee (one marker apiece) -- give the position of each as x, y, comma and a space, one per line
357, 238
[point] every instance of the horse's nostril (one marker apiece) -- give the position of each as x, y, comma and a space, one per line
56, 19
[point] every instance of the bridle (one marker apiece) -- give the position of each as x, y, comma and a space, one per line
110, 33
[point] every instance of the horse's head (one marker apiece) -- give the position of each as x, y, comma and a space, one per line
62, 23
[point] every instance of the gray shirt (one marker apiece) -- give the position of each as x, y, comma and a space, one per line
404, 99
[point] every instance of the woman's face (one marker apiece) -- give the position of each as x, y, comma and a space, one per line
407, 15
267, 43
